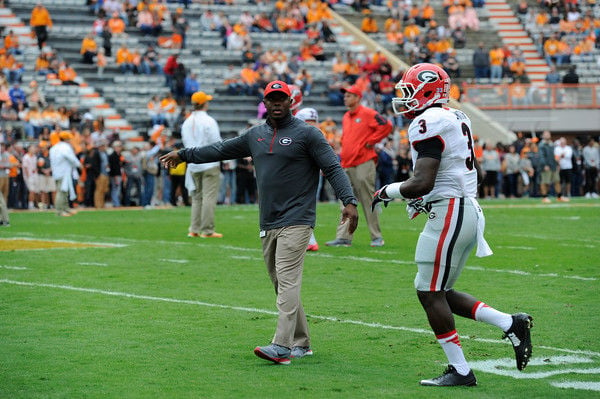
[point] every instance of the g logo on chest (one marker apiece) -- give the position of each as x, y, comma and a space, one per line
285, 141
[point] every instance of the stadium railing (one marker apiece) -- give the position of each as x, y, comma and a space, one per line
532, 96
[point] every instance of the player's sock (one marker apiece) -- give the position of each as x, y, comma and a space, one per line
487, 314
450, 343
313, 239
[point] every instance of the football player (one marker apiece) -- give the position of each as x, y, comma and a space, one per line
444, 186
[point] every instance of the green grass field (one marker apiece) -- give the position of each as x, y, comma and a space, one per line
154, 314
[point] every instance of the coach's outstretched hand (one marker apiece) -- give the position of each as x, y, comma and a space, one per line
170, 160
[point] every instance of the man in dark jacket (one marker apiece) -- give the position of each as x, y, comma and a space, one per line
115, 165
481, 62
287, 155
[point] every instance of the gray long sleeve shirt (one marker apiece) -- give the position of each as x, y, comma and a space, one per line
287, 158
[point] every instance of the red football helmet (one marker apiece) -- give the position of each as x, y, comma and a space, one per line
296, 97
421, 86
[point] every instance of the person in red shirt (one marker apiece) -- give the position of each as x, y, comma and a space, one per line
362, 128
169, 69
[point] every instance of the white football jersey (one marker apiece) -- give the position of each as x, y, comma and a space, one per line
457, 176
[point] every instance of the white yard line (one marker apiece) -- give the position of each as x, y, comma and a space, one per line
92, 264
175, 260
269, 312
95, 243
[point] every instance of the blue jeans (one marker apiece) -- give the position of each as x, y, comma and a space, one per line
166, 192
496, 72
133, 181
227, 181
115, 190
149, 180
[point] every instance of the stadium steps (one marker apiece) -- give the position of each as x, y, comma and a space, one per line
513, 34
83, 96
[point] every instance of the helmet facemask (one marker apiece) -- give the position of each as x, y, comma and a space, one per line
422, 86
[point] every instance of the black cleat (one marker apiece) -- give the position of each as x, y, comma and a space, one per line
519, 335
451, 378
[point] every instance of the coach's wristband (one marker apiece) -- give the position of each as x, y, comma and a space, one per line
393, 190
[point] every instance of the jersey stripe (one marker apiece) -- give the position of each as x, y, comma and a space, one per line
440, 247
450, 250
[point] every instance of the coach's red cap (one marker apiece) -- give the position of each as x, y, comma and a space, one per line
352, 89
277, 85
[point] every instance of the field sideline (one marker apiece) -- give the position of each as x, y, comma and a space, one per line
123, 304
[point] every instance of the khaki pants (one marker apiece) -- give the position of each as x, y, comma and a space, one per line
362, 178
4, 187
283, 251
3, 206
102, 187
61, 202
204, 200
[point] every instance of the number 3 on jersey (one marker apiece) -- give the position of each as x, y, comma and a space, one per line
470, 161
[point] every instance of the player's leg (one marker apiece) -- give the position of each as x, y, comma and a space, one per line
434, 254
516, 327
441, 320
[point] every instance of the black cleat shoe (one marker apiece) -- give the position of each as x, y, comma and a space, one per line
519, 335
451, 378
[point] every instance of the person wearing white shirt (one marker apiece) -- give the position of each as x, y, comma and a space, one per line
202, 180
30, 174
564, 156
64, 164
591, 160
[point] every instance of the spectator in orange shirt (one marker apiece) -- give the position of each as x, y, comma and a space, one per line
168, 107
411, 30
338, 64
116, 25
369, 24
89, 49
11, 43
40, 21
305, 51
123, 59
67, 75
542, 18
427, 13
496, 61
42, 64
565, 50
11, 68
352, 71
249, 80
316, 13
551, 50
517, 69
317, 50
